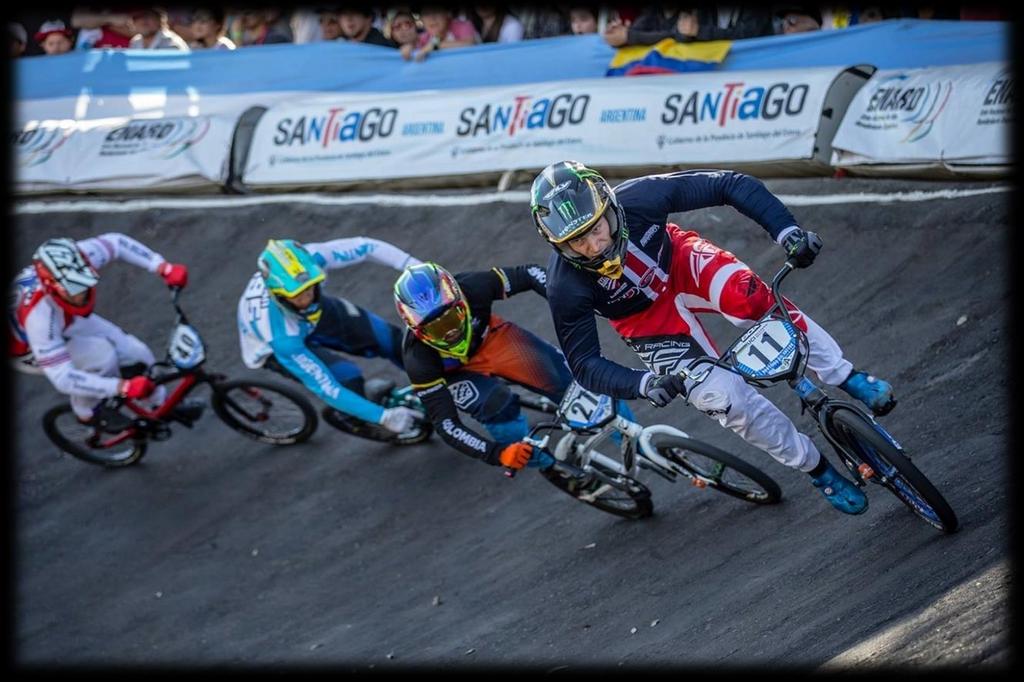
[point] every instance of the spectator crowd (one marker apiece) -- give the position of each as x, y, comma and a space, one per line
419, 30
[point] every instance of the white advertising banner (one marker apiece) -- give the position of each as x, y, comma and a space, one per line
695, 118
41, 157
952, 114
123, 154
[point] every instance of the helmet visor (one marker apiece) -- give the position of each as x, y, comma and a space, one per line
567, 214
575, 256
309, 298
430, 300
447, 330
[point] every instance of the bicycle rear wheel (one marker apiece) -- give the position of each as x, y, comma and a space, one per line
87, 444
894, 470
264, 411
719, 470
629, 498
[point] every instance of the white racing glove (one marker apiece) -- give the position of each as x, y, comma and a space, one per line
399, 419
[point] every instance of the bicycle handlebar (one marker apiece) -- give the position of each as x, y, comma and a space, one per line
175, 293
541, 444
787, 267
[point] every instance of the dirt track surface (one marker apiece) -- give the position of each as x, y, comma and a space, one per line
216, 550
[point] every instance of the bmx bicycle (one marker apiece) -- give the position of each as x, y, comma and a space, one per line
587, 470
775, 350
260, 410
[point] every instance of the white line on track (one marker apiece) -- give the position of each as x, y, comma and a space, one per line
130, 205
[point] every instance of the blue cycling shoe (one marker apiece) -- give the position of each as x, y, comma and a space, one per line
874, 392
840, 492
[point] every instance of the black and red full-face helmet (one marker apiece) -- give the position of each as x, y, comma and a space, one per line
66, 274
567, 200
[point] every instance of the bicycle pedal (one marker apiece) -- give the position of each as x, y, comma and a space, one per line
160, 432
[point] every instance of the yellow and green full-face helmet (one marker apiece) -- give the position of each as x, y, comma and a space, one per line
288, 269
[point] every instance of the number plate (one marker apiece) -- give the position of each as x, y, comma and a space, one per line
766, 351
583, 409
186, 348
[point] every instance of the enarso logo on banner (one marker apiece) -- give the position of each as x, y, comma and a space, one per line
339, 125
733, 102
997, 104
524, 112
35, 145
166, 137
896, 103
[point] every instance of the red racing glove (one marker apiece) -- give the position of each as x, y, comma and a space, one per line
136, 387
174, 274
516, 455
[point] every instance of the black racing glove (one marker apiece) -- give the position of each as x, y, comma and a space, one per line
660, 390
802, 247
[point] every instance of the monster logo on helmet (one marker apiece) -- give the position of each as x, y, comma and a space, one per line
567, 201
567, 210
288, 269
431, 304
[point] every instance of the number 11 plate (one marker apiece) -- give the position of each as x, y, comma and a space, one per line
766, 351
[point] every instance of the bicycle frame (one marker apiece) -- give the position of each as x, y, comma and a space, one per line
583, 438
187, 345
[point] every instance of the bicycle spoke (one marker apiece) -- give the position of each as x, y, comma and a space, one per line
85, 442
713, 468
253, 406
264, 412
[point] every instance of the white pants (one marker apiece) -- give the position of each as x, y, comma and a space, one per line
97, 345
738, 406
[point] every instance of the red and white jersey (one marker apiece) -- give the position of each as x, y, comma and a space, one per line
38, 328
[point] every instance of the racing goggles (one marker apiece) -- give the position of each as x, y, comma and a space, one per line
311, 312
447, 330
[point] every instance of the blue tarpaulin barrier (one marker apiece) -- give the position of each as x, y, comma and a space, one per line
342, 67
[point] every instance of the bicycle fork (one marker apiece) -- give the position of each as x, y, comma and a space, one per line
812, 398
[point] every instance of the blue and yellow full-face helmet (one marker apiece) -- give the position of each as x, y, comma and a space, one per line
288, 270
431, 304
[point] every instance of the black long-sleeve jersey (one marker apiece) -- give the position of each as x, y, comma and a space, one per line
427, 366
575, 294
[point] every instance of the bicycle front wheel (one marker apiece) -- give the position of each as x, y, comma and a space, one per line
717, 469
894, 470
627, 498
87, 444
264, 411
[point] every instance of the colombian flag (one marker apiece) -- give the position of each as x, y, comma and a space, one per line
668, 56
